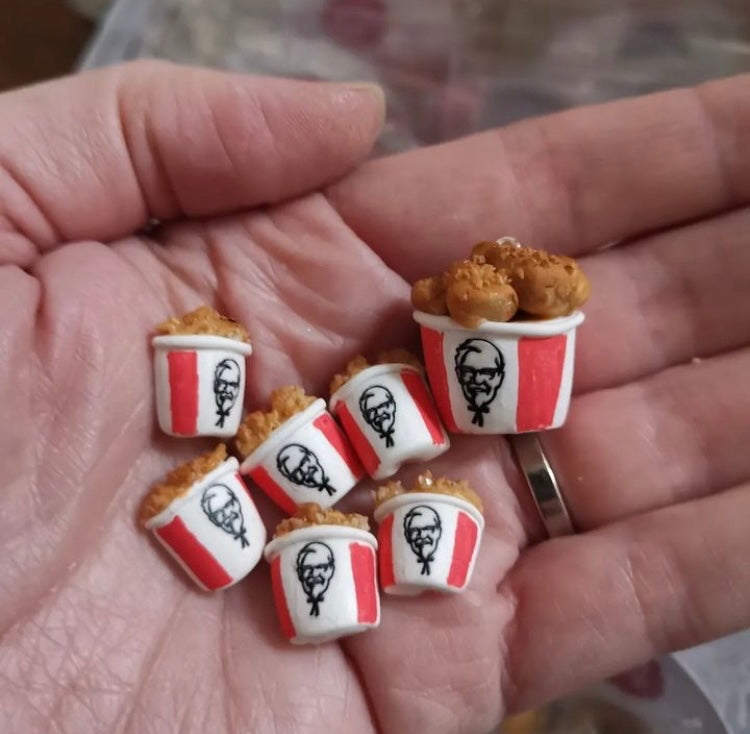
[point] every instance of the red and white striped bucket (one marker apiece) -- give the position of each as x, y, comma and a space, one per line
214, 530
390, 418
324, 582
427, 541
510, 377
200, 384
306, 459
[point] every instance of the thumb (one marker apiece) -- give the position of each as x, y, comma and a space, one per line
96, 155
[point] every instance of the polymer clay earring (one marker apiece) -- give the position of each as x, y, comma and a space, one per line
205, 518
388, 413
428, 536
323, 575
199, 371
296, 452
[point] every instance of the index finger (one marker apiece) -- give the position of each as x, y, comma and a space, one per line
568, 182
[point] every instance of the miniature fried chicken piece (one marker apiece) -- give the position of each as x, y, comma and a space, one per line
477, 291
428, 295
179, 481
399, 356
290, 400
257, 426
427, 483
353, 368
311, 513
204, 320
547, 285
360, 363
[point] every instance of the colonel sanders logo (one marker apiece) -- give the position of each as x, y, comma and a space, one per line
315, 569
422, 529
226, 388
480, 369
378, 408
299, 465
223, 509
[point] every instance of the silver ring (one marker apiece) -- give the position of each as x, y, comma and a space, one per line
543, 484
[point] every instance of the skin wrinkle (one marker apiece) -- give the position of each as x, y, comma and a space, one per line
727, 190
128, 710
53, 233
66, 565
164, 184
361, 680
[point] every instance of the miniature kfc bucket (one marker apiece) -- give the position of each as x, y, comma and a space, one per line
500, 377
213, 530
200, 384
390, 418
427, 541
307, 459
324, 582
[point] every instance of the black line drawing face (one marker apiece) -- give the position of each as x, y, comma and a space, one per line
378, 408
226, 388
422, 530
480, 369
300, 466
223, 509
315, 569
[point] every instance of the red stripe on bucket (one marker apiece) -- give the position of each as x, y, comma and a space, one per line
335, 436
194, 554
183, 391
264, 480
279, 599
540, 367
363, 570
415, 386
432, 347
362, 446
385, 552
463, 550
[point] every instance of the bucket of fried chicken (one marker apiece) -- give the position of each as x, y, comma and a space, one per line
203, 515
498, 334
323, 575
388, 413
296, 452
428, 536
199, 371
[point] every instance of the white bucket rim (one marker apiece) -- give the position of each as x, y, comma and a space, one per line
342, 394
201, 342
536, 329
420, 498
318, 532
280, 434
229, 465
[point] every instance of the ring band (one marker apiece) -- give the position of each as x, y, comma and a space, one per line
543, 484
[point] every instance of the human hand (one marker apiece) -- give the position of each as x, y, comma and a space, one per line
101, 634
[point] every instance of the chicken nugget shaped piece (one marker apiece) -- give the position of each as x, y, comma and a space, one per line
547, 285
476, 292
428, 295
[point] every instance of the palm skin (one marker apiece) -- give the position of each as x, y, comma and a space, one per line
276, 225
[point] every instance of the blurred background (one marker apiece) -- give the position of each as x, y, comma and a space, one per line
449, 68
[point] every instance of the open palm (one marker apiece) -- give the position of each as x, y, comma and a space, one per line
101, 633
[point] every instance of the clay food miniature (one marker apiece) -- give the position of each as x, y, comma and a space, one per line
493, 368
296, 452
428, 535
204, 516
388, 413
323, 575
199, 370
